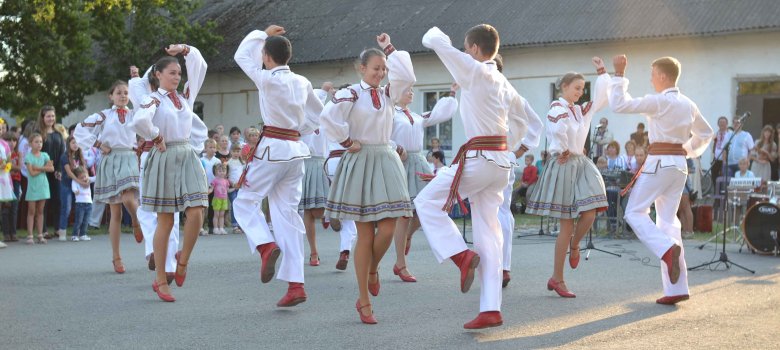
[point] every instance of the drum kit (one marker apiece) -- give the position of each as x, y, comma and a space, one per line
760, 222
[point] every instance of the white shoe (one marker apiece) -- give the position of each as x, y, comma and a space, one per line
74, 238
222, 231
3, 245
85, 238
63, 235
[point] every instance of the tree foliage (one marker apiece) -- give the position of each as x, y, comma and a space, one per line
60, 51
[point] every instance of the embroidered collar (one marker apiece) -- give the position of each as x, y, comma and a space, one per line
366, 86
163, 92
671, 89
114, 107
278, 69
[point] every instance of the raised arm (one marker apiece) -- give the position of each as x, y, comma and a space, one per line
196, 73
138, 86
142, 120
600, 92
335, 114
527, 123
249, 55
620, 100
458, 63
399, 65
701, 134
311, 111
443, 111
87, 132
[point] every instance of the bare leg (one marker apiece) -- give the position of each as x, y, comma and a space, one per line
39, 214
384, 236
191, 230
584, 224
216, 222
309, 217
114, 229
364, 250
561, 247
685, 213
129, 199
31, 207
161, 237
400, 235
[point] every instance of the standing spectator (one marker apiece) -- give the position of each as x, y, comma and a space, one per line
252, 136
7, 195
54, 147
235, 168
764, 153
220, 187
209, 160
38, 191
631, 156
602, 138
721, 137
615, 162
438, 161
70, 160
740, 148
80, 188
235, 137
435, 146
530, 175
213, 135
542, 162
640, 136
220, 129
776, 162
8, 218
223, 149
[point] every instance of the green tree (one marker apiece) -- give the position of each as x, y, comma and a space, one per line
60, 51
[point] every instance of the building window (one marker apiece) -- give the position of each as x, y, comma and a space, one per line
556, 93
442, 131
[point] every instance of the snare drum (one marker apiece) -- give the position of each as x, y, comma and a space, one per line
760, 227
756, 198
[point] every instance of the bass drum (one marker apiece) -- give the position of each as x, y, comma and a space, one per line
760, 227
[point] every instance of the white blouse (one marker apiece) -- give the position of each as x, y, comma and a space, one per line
354, 115
184, 124
409, 130
287, 100
489, 104
317, 143
568, 124
107, 128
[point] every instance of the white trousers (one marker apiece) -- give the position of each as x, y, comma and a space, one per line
348, 231
148, 222
507, 221
482, 183
282, 183
663, 186
98, 209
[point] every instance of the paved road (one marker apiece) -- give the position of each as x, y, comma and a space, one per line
65, 295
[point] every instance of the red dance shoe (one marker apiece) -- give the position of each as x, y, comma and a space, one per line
181, 274
314, 260
151, 262
672, 260
139, 235
558, 287
269, 253
466, 261
164, 297
373, 288
507, 278
325, 224
485, 319
119, 267
343, 260
671, 300
370, 319
574, 259
295, 295
406, 278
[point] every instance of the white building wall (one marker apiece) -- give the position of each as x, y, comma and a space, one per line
712, 67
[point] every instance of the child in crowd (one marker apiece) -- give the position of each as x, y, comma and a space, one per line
252, 135
10, 209
80, 188
220, 187
71, 159
235, 137
530, 175
602, 164
209, 161
743, 172
438, 160
235, 167
38, 164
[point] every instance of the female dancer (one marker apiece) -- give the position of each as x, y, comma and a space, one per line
409, 134
117, 174
570, 185
315, 190
369, 185
173, 179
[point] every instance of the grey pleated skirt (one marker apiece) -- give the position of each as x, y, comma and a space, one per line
566, 190
315, 184
174, 180
369, 185
416, 163
116, 172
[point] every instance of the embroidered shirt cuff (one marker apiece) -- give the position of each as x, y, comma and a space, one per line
389, 49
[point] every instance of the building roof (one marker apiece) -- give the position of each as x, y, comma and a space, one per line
339, 29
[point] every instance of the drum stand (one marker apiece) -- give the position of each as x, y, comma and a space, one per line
724, 258
734, 204
589, 246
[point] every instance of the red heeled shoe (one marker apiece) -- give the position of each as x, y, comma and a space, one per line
370, 319
373, 288
485, 319
180, 274
574, 261
556, 286
467, 261
269, 253
672, 260
506, 280
295, 295
671, 300
151, 263
325, 224
343, 260
314, 262
405, 278
119, 267
139, 235
164, 297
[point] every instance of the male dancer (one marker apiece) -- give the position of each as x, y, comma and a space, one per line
676, 130
289, 108
495, 118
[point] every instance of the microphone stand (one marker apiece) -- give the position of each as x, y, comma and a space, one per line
542, 217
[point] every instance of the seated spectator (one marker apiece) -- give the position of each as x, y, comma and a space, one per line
615, 162
641, 155
743, 172
530, 175
631, 156
252, 136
